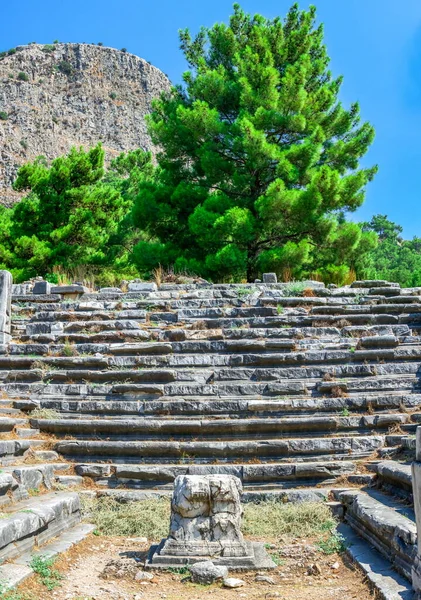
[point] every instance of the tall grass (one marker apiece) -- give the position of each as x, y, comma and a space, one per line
150, 518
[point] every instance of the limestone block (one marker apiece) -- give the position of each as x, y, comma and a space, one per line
42, 287
270, 278
205, 572
142, 287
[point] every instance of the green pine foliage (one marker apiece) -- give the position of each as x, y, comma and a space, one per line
66, 218
258, 157
394, 258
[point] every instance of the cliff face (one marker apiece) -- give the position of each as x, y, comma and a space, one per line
55, 97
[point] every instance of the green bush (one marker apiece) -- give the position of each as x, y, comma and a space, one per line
113, 95
3, 115
48, 48
23, 76
11, 51
24, 144
65, 67
124, 50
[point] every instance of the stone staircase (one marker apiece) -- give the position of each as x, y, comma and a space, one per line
301, 391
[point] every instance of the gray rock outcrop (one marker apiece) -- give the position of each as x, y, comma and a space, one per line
64, 95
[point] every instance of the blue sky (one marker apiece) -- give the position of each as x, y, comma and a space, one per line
375, 44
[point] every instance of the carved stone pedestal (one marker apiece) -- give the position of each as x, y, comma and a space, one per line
206, 524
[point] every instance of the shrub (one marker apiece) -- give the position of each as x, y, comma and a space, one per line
11, 51
23, 76
24, 144
3, 115
100, 44
113, 95
124, 49
56, 42
48, 48
333, 542
65, 67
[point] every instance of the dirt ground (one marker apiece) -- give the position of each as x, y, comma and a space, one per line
103, 568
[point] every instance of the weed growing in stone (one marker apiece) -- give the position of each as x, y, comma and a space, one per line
332, 543
43, 567
295, 288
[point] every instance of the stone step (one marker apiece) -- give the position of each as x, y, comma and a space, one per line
394, 477
150, 428
10, 449
281, 475
138, 385
293, 495
9, 424
18, 481
15, 572
27, 433
237, 406
31, 523
381, 575
385, 523
17, 367
165, 451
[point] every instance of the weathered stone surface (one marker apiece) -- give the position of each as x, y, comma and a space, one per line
206, 522
142, 286
270, 278
205, 572
105, 97
41, 287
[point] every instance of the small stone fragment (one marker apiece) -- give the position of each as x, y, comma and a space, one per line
205, 572
144, 576
265, 579
232, 582
314, 569
335, 566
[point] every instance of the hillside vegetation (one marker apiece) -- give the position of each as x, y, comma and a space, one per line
258, 166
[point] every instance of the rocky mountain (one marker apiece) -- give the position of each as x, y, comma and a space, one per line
57, 96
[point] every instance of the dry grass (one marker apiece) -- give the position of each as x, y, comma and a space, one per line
150, 518
338, 392
44, 413
309, 293
290, 520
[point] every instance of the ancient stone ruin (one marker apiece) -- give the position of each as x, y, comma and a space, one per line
301, 391
206, 523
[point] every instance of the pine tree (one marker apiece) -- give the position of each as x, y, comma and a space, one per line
258, 156
66, 218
